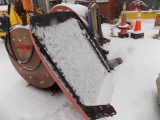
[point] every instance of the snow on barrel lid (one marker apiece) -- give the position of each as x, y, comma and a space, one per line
77, 8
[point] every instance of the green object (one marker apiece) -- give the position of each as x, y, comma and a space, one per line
158, 88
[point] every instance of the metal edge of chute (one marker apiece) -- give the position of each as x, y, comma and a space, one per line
93, 112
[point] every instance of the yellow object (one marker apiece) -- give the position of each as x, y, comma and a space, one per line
144, 14
2, 12
157, 20
2, 34
15, 19
27, 5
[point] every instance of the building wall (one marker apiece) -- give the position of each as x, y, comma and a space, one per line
112, 9
107, 9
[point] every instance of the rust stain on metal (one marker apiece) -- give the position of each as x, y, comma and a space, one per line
22, 48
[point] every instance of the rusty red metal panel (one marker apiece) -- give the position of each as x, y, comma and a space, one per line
107, 9
26, 60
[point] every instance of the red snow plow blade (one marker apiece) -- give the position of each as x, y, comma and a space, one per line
73, 59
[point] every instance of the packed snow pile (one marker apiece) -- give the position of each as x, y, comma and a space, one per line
135, 93
68, 46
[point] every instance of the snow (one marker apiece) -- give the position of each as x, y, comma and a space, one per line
124, 26
138, 2
77, 8
134, 96
19, 102
80, 10
73, 53
21, 26
4, 7
135, 93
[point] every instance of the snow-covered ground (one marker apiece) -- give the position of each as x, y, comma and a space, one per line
134, 95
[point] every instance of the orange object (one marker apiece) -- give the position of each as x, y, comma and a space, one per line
138, 22
123, 26
123, 15
157, 21
27, 5
137, 30
123, 31
27, 47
